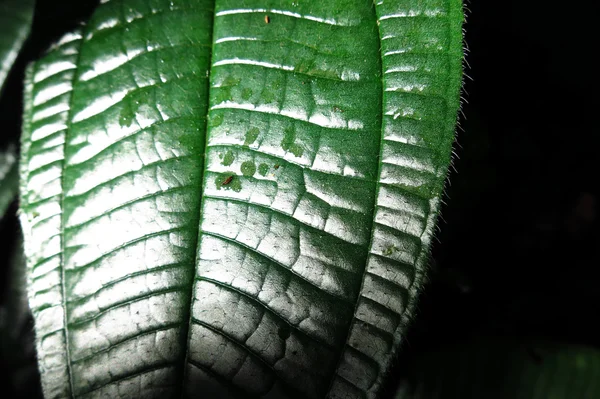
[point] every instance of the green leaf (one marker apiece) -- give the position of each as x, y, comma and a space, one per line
503, 369
9, 178
235, 199
15, 23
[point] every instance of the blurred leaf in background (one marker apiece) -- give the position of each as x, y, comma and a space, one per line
504, 369
19, 371
15, 24
9, 178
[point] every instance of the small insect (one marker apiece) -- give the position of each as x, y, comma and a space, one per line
267, 19
276, 166
227, 181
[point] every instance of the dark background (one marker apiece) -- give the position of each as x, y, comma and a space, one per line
518, 246
518, 249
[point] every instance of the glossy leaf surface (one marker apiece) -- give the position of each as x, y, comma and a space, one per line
235, 198
497, 369
15, 23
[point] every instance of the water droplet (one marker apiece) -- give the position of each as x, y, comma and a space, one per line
127, 115
216, 120
251, 136
228, 158
289, 142
223, 95
296, 150
248, 168
263, 169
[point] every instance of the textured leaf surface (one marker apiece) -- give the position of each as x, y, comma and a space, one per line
15, 22
498, 369
235, 198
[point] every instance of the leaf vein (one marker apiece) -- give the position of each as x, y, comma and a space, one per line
268, 308
124, 205
278, 264
127, 244
138, 334
118, 305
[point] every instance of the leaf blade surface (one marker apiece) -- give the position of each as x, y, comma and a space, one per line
247, 263
298, 230
421, 52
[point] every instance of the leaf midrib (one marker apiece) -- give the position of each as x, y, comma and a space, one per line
374, 206
186, 337
62, 216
